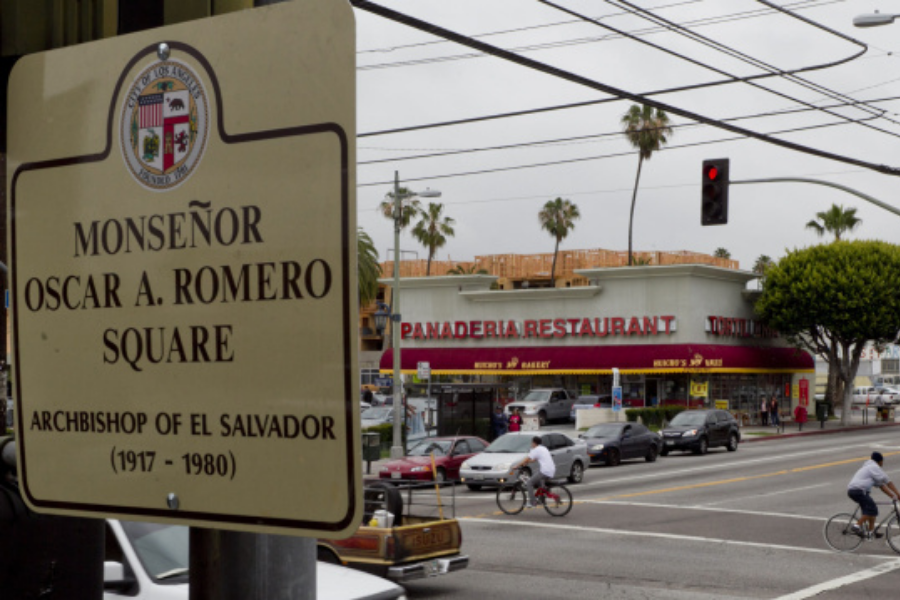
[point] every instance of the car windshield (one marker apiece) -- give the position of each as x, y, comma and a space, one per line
689, 418
376, 412
605, 430
536, 396
426, 447
162, 549
511, 443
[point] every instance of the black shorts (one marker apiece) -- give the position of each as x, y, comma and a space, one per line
869, 509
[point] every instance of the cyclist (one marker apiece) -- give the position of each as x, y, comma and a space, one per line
868, 476
546, 470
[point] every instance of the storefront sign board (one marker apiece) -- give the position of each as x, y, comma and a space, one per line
183, 269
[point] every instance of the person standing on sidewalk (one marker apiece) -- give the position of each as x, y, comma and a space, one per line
764, 412
515, 420
773, 411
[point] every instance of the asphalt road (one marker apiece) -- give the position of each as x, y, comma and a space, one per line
726, 525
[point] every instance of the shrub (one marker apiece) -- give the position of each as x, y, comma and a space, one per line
653, 416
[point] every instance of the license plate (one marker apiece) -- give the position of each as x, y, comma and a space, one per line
432, 568
395, 475
478, 477
670, 443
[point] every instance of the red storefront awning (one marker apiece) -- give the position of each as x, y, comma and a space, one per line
588, 360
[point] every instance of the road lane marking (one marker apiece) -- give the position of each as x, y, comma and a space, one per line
664, 536
706, 508
843, 581
779, 492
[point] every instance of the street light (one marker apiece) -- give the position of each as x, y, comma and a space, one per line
873, 20
397, 446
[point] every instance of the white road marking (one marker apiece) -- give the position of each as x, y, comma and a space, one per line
651, 534
843, 581
705, 507
755, 496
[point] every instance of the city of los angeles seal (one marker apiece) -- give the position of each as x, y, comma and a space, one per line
163, 125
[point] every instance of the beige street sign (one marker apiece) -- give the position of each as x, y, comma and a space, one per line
183, 268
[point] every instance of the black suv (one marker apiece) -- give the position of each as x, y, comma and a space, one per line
698, 430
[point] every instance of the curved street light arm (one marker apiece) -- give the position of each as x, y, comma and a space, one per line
838, 186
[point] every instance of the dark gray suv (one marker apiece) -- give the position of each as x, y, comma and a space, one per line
699, 430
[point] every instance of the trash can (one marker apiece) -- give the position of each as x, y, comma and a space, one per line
371, 448
821, 411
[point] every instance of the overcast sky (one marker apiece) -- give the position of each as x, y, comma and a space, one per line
409, 78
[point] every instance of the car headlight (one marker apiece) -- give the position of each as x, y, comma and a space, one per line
420, 469
597, 447
689, 433
502, 467
465, 465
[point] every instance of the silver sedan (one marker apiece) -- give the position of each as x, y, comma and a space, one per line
491, 467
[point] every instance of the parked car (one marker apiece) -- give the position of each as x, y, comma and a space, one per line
699, 430
890, 396
545, 404
449, 454
377, 415
492, 467
149, 561
876, 396
611, 443
588, 402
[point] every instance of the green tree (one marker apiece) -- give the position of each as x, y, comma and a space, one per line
470, 270
836, 220
558, 219
832, 299
433, 230
722, 253
368, 268
648, 130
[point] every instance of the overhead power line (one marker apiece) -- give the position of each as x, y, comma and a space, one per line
607, 89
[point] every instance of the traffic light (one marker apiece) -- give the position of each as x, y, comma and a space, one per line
714, 210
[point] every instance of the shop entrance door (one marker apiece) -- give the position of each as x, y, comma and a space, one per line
651, 391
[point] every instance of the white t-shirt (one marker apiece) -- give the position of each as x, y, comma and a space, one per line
542, 455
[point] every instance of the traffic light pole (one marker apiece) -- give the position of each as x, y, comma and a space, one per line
838, 186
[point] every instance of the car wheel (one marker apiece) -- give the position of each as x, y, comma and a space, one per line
664, 451
613, 458
577, 473
327, 556
703, 447
542, 418
440, 475
474, 487
732, 442
652, 453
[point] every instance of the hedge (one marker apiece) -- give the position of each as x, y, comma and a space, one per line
654, 415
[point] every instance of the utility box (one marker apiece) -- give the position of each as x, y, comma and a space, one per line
371, 446
821, 411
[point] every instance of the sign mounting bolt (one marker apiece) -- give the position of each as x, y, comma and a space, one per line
162, 51
172, 501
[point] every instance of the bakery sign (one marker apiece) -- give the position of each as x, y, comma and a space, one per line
575, 327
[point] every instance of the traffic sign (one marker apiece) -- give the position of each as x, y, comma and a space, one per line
183, 244
424, 370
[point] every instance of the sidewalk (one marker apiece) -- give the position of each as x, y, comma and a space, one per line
858, 421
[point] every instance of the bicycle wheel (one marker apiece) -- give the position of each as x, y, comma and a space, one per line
511, 498
838, 534
892, 534
558, 501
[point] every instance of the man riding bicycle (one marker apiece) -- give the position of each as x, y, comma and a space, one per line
547, 470
868, 476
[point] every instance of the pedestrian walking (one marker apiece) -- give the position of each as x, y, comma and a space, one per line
515, 421
764, 412
773, 410
498, 422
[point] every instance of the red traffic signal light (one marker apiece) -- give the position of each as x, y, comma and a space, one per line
714, 207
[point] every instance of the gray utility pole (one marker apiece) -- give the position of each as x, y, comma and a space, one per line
844, 188
397, 446
227, 565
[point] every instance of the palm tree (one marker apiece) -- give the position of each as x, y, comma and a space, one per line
369, 270
762, 264
433, 230
836, 220
647, 130
409, 207
722, 253
470, 270
558, 219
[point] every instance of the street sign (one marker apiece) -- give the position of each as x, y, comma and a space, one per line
617, 398
183, 242
424, 370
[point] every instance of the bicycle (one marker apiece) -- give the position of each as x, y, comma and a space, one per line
553, 496
840, 536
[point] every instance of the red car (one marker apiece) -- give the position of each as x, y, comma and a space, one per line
449, 454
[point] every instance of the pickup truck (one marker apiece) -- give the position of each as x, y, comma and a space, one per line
408, 532
547, 404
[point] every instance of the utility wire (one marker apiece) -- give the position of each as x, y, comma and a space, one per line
607, 89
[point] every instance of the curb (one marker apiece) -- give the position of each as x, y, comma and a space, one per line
782, 436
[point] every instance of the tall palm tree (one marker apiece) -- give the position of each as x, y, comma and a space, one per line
722, 253
762, 264
558, 219
836, 220
369, 270
648, 130
409, 207
433, 230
